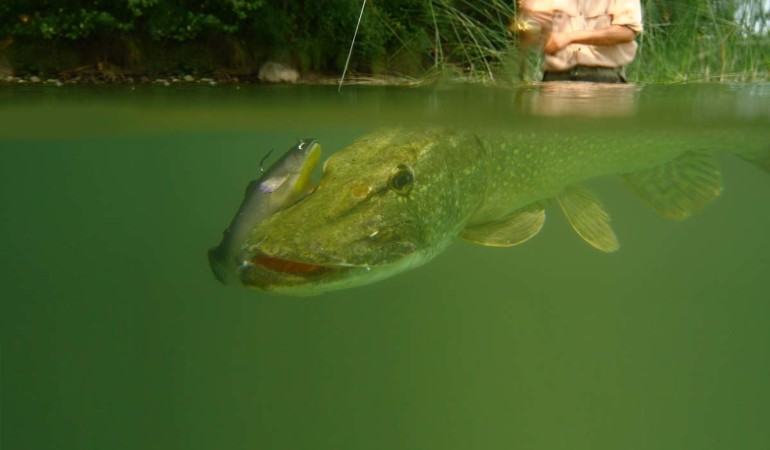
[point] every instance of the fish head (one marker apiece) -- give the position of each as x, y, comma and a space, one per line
385, 204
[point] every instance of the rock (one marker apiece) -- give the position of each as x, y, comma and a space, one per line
34, 79
273, 72
188, 78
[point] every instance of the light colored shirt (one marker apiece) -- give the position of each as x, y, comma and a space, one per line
572, 15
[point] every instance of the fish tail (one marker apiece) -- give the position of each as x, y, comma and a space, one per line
218, 260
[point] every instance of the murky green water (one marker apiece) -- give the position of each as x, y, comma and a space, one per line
116, 335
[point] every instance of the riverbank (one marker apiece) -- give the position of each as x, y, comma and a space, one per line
91, 76
196, 63
169, 69
168, 42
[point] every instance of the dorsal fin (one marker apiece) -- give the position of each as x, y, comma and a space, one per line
680, 187
588, 218
512, 230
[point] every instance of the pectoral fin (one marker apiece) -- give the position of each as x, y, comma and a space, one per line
588, 217
680, 187
515, 229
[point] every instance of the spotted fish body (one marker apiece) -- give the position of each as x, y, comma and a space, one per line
396, 198
278, 187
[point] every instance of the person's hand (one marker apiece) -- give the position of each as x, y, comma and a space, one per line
556, 42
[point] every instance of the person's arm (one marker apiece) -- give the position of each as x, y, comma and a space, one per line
615, 34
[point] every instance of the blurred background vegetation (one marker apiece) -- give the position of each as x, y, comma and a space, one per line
684, 40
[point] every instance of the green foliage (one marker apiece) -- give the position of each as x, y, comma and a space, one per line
180, 20
683, 39
313, 33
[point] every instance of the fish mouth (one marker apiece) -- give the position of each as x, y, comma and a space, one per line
270, 273
289, 267
283, 273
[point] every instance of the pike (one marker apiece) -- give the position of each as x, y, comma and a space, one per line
397, 198
278, 187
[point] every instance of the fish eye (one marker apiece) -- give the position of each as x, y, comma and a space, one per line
401, 179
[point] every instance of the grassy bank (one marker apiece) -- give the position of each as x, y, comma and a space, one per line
696, 40
142, 40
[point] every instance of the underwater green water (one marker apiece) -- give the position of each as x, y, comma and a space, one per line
115, 334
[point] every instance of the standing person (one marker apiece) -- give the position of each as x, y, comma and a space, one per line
583, 40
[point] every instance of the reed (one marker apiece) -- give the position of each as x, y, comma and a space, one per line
683, 41
688, 40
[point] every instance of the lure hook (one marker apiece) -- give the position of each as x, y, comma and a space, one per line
261, 169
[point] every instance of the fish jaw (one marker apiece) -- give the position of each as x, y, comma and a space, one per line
303, 279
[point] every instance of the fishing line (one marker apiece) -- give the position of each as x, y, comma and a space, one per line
261, 169
350, 52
